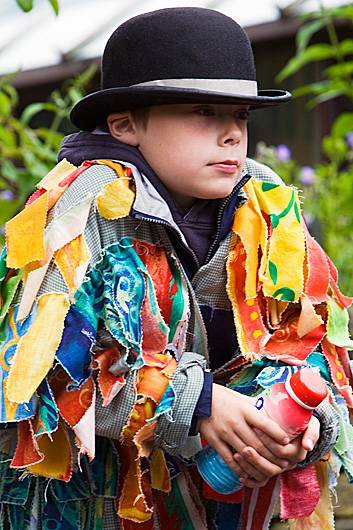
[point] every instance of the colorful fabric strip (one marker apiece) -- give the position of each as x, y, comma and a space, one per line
36, 349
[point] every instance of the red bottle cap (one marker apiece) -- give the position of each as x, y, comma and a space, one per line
308, 387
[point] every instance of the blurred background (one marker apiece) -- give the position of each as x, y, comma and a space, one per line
49, 57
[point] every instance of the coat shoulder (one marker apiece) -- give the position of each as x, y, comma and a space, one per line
262, 172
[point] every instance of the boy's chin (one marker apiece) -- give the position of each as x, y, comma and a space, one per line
214, 196
220, 193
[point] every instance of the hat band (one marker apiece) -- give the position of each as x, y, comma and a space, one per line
240, 87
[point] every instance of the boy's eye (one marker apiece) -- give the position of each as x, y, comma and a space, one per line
242, 114
205, 111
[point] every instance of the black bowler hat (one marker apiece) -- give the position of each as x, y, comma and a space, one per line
175, 55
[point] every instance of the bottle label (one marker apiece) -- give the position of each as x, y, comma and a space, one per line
260, 403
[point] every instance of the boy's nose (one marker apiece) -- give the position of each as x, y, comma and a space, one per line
231, 132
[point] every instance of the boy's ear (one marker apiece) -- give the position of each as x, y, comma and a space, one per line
122, 127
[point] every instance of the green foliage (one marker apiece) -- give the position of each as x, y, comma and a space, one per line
27, 152
337, 77
27, 5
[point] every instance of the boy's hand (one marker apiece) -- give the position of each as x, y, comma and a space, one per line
254, 470
235, 424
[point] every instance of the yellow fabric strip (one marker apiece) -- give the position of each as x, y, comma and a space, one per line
160, 479
282, 267
60, 231
115, 199
250, 226
250, 189
72, 260
25, 234
115, 166
36, 350
56, 175
52, 466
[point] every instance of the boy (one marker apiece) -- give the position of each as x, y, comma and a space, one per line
130, 281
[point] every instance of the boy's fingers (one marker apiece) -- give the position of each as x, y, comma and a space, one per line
261, 443
269, 427
294, 451
251, 483
248, 470
311, 434
280, 462
239, 471
225, 453
256, 466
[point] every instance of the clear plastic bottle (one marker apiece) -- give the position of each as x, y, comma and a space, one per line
290, 404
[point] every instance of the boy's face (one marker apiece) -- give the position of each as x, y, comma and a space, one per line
197, 150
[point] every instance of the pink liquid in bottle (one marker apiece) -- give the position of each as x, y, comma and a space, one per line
291, 404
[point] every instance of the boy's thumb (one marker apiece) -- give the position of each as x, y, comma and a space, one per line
311, 434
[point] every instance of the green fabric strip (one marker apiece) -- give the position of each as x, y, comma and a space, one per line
8, 291
337, 326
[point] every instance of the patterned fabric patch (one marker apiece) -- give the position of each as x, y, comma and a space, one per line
109, 383
333, 355
60, 516
281, 268
76, 407
169, 289
272, 374
13, 332
9, 282
47, 416
252, 333
78, 336
119, 288
13, 490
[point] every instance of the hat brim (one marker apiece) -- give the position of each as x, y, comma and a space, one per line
92, 110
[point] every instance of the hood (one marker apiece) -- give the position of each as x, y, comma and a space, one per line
81, 146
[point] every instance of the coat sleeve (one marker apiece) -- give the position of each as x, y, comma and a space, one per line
329, 432
172, 434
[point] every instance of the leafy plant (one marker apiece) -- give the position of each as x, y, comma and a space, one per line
337, 77
27, 153
27, 5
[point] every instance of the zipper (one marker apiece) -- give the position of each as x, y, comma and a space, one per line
165, 223
182, 271
240, 184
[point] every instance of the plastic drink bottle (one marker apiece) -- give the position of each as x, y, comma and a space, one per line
290, 404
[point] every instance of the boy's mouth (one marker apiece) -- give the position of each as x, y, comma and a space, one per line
228, 166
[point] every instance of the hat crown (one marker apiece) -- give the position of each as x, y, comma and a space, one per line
177, 43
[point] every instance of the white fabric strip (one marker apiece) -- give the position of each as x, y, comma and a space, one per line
241, 87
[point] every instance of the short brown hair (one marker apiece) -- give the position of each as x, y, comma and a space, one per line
141, 115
